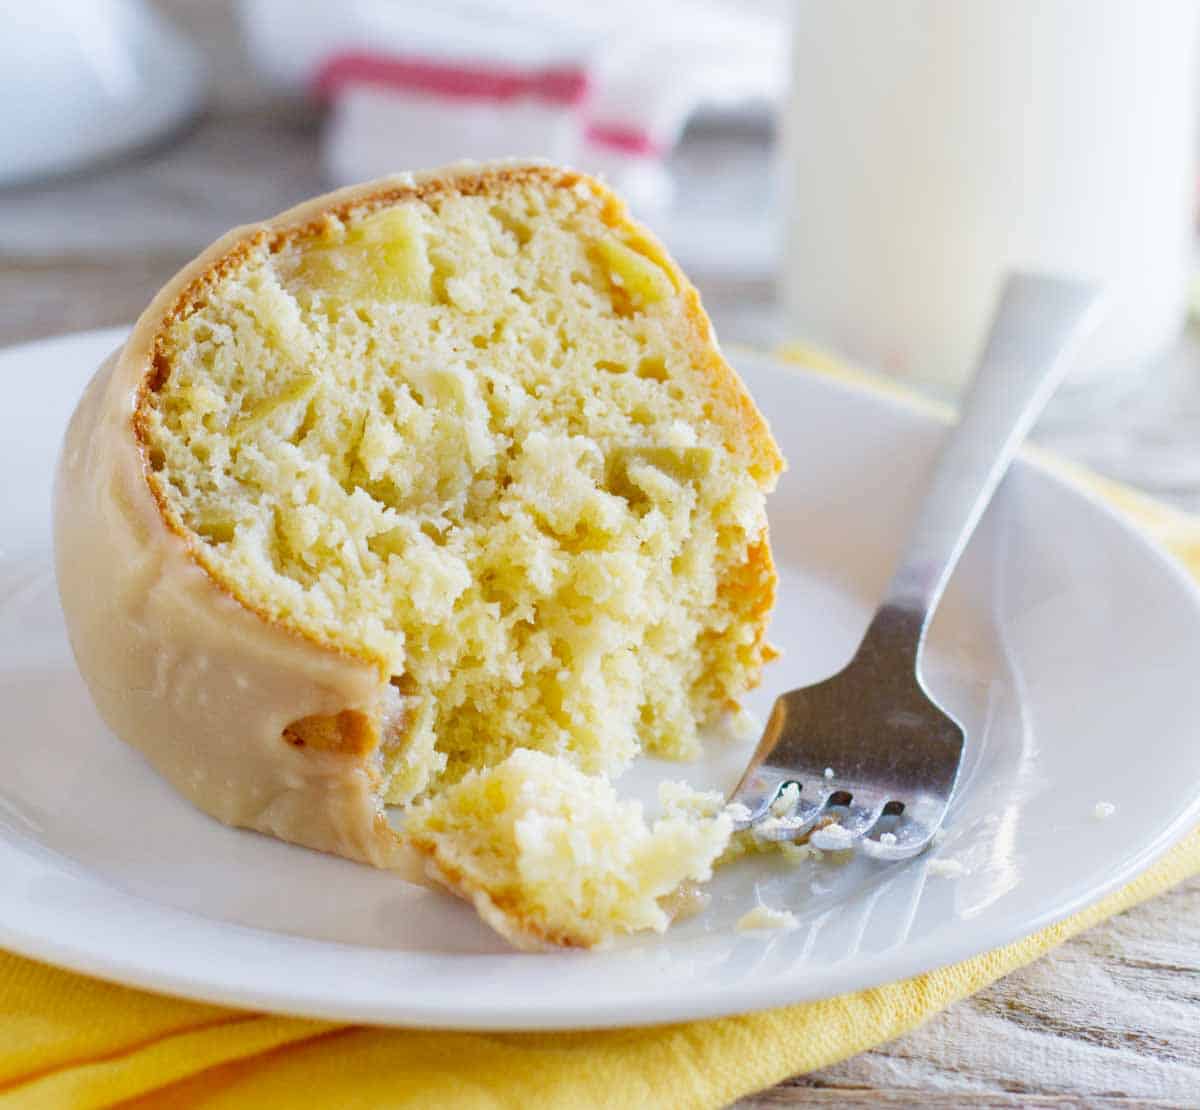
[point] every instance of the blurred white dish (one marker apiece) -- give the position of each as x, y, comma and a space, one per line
82, 80
1066, 639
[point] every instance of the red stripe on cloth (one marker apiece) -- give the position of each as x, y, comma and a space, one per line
566, 85
628, 140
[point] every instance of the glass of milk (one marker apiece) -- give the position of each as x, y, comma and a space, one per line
930, 145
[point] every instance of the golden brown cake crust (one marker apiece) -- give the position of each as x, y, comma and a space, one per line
260, 725
509, 919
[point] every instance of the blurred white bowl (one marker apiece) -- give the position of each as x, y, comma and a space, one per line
81, 80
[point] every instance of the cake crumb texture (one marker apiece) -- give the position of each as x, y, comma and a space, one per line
478, 434
764, 918
947, 868
553, 857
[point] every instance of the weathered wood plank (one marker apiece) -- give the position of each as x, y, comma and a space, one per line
1112, 1017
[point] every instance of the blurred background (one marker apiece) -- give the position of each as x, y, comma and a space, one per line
852, 186
254, 134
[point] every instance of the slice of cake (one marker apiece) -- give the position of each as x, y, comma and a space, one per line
552, 857
412, 476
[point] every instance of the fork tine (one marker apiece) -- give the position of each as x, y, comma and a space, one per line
790, 826
859, 811
757, 802
906, 838
856, 821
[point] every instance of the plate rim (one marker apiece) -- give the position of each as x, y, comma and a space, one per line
705, 1001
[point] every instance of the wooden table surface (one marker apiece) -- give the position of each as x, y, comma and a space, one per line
1111, 1018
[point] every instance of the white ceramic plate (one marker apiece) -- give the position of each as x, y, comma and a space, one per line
1067, 644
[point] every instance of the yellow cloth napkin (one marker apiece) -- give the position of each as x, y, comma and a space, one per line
70, 1041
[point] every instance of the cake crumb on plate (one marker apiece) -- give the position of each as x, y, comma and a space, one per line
763, 917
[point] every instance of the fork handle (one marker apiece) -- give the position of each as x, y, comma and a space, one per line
1038, 324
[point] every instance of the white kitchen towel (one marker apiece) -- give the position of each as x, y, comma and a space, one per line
605, 86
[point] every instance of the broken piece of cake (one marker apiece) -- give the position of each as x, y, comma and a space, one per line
420, 487
551, 857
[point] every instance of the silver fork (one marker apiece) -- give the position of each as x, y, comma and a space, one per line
867, 758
